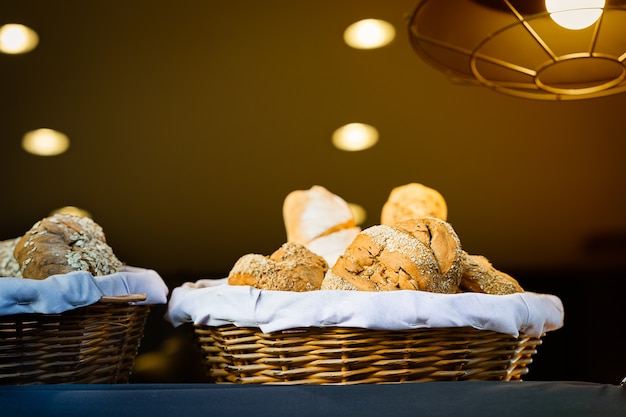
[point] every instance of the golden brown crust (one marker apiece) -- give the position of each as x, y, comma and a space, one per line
422, 254
442, 240
480, 276
64, 243
292, 267
334, 282
8, 264
412, 201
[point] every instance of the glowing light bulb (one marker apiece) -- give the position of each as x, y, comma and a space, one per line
358, 212
369, 34
575, 14
17, 39
355, 137
45, 142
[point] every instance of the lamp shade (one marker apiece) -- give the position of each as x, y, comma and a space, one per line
517, 47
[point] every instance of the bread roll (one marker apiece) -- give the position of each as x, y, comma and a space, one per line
421, 254
64, 243
412, 201
335, 282
290, 268
310, 214
479, 275
8, 264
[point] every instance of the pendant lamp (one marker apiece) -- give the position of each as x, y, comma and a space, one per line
526, 48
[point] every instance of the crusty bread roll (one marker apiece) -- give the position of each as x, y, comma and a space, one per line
8, 264
290, 268
310, 214
420, 254
335, 282
479, 275
64, 243
412, 201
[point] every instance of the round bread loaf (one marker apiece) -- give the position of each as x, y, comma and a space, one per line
479, 275
8, 264
64, 243
420, 254
412, 201
290, 268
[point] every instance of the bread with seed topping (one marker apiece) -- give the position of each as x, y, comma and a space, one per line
421, 254
479, 275
292, 267
64, 243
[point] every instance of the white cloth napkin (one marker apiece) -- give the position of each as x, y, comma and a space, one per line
59, 293
215, 303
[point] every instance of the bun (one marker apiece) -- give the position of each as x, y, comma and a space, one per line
8, 264
64, 243
290, 268
412, 201
480, 276
310, 214
335, 282
421, 254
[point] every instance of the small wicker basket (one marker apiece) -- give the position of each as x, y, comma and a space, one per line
339, 355
93, 344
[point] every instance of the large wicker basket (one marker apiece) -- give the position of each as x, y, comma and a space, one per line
92, 344
339, 355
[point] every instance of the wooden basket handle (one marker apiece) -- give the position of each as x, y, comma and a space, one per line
129, 298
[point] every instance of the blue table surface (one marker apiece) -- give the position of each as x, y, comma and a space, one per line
432, 399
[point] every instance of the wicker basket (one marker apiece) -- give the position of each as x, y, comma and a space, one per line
336, 355
93, 344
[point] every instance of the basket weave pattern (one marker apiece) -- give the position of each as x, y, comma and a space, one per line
92, 344
335, 355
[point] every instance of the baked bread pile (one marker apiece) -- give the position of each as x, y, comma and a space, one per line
58, 244
420, 254
292, 267
413, 248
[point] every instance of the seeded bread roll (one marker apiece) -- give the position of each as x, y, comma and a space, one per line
290, 268
8, 264
422, 254
480, 276
412, 201
64, 243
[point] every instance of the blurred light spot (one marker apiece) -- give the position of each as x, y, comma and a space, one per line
45, 142
17, 39
355, 137
359, 213
75, 211
369, 34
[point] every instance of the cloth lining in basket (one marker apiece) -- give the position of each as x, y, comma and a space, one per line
214, 303
60, 293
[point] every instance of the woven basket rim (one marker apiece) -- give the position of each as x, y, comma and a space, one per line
348, 355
